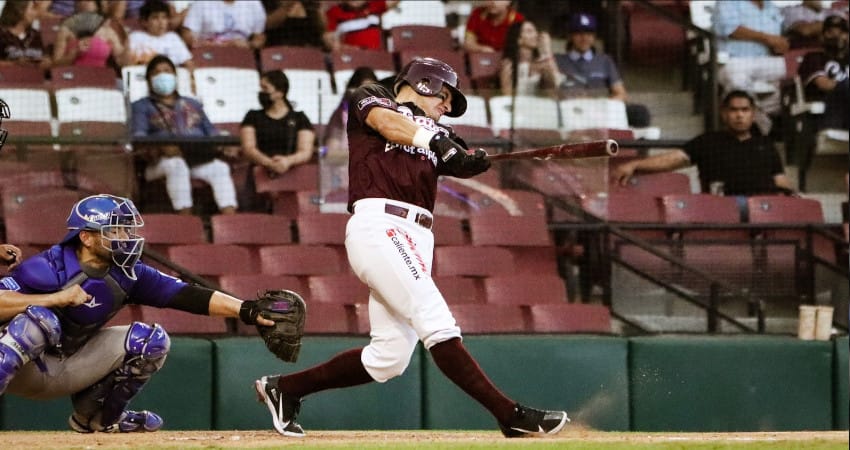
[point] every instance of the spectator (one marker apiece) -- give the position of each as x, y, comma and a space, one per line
166, 113
589, 73
825, 74
356, 24
743, 160
276, 137
295, 23
488, 25
527, 61
750, 32
20, 43
225, 22
802, 24
88, 39
336, 136
155, 40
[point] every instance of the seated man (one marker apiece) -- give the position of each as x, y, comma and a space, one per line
592, 73
225, 22
750, 33
802, 23
825, 74
739, 158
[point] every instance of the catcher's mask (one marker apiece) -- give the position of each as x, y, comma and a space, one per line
4, 114
118, 221
427, 76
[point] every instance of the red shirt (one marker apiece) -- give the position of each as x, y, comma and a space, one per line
358, 27
487, 33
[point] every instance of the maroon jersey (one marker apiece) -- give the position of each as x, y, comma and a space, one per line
378, 168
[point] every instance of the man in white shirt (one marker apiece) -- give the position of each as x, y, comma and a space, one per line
225, 22
156, 39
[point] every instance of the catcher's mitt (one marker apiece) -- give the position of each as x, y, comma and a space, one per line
288, 311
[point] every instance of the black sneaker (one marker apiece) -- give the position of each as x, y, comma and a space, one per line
527, 421
284, 409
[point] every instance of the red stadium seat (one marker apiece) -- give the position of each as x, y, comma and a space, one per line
449, 231
322, 228
287, 57
531, 231
180, 322
251, 229
570, 318
92, 129
790, 210
489, 319
655, 184
213, 259
703, 208
172, 229
27, 128
472, 261
352, 58
37, 217
83, 76
624, 207
525, 289
484, 70
302, 260
457, 289
247, 286
344, 289
223, 56
21, 76
508, 202
424, 37
330, 318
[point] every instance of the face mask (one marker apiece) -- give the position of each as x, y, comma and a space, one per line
265, 99
164, 83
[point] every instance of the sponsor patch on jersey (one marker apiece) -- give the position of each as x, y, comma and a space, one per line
10, 284
373, 99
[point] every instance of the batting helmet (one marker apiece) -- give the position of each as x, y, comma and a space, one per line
427, 76
118, 221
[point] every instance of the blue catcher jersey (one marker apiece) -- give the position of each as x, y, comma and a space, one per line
57, 268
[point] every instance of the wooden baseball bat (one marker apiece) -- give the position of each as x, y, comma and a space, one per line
590, 149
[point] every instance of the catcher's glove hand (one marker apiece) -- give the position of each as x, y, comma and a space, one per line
288, 311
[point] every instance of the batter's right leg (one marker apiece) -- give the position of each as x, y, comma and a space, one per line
25, 338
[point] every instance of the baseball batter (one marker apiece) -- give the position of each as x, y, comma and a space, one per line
397, 151
53, 307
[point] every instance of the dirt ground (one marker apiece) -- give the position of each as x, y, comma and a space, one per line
270, 439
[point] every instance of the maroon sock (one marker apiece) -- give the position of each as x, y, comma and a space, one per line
343, 370
459, 366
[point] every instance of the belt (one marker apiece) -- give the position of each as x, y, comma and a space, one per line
423, 220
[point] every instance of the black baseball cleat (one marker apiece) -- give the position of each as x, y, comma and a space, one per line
528, 421
284, 409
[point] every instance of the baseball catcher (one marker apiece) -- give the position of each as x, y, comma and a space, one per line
53, 307
287, 310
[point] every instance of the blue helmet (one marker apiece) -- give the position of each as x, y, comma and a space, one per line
118, 221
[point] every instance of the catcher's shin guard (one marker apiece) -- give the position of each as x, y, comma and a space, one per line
24, 339
103, 404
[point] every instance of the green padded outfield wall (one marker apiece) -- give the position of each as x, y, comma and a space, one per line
841, 381
585, 375
396, 404
181, 392
704, 383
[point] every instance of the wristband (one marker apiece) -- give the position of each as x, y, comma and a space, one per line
422, 138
